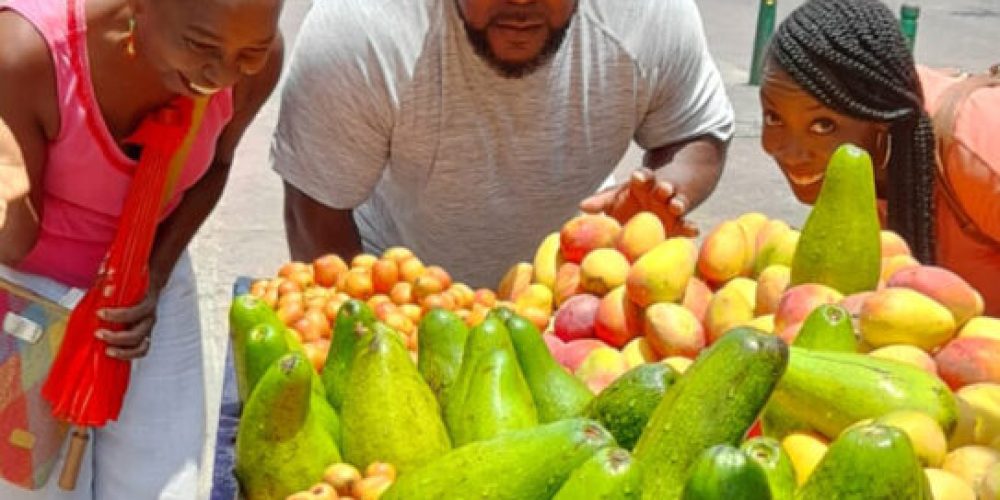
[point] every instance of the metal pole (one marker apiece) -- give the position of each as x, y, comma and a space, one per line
908, 15
765, 27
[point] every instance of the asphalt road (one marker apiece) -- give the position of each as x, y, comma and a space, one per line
245, 234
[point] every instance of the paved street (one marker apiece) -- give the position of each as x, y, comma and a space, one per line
245, 235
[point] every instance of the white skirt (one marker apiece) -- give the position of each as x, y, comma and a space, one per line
154, 449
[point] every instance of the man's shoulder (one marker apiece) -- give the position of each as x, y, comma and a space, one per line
358, 23
642, 27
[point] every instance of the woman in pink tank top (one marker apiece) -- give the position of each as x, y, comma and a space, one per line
76, 79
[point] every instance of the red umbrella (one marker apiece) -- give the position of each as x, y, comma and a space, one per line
85, 386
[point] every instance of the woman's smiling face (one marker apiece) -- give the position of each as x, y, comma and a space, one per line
801, 133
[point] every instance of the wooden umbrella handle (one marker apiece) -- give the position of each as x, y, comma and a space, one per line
74, 457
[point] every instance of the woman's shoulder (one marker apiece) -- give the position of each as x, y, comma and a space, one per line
27, 74
935, 81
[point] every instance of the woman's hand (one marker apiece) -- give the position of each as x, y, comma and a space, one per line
644, 192
132, 342
14, 186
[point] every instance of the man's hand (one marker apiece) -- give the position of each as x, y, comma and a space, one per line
644, 192
132, 342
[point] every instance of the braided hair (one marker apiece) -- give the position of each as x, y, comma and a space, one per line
851, 56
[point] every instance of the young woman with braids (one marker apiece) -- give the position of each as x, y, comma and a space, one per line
839, 71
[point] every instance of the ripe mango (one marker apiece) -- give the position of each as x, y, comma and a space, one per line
971, 463
517, 279
981, 326
909, 354
731, 306
587, 232
567, 282
763, 323
548, 258
752, 224
603, 270
662, 274
672, 330
697, 295
948, 486
892, 244
925, 434
576, 318
638, 351
771, 285
724, 254
797, 303
944, 286
612, 324
805, 452
639, 235
892, 265
969, 360
601, 367
979, 416
779, 248
904, 316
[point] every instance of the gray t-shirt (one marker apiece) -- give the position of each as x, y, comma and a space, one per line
387, 109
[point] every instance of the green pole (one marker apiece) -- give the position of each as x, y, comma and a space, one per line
908, 15
765, 27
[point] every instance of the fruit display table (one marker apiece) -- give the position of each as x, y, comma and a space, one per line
224, 483
623, 363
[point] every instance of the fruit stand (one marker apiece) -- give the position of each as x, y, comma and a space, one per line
768, 362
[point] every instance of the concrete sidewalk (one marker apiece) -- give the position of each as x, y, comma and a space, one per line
245, 234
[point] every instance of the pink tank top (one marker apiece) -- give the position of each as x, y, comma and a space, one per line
86, 175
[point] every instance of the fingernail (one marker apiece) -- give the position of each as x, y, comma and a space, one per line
101, 314
100, 334
112, 353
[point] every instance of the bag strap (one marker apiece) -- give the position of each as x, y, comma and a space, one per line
944, 133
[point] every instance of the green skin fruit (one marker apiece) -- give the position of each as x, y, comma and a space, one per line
246, 312
488, 336
282, 445
626, 405
840, 245
611, 474
254, 353
828, 328
389, 415
519, 465
715, 402
775, 463
724, 471
829, 391
557, 394
497, 400
441, 343
868, 462
353, 320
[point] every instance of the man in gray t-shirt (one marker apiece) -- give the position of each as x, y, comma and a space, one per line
467, 130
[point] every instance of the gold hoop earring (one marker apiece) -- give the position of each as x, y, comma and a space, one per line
130, 38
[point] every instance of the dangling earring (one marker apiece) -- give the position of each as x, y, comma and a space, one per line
886, 139
130, 38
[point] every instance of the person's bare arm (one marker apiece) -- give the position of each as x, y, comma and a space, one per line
693, 168
314, 229
28, 116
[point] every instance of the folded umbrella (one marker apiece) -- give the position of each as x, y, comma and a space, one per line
85, 386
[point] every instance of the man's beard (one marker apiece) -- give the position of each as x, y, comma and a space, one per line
481, 44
